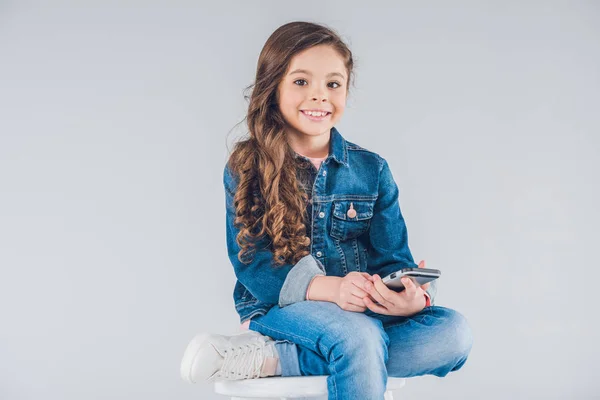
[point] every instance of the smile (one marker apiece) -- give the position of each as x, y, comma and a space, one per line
316, 116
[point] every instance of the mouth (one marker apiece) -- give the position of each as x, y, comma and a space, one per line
316, 116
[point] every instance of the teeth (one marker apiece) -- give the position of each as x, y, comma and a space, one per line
315, 113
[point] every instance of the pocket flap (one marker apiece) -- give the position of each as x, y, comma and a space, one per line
363, 208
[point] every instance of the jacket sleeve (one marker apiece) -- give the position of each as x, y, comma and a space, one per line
282, 285
388, 250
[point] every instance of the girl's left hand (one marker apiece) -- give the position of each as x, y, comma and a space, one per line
405, 303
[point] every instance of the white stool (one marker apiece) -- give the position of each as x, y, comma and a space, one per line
289, 387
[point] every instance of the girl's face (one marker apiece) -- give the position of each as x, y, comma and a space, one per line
315, 80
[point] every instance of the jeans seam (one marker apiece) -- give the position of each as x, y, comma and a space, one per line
246, 302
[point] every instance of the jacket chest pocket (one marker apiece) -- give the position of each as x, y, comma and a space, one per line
351, 218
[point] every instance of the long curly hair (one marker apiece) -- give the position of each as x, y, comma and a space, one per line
269, 201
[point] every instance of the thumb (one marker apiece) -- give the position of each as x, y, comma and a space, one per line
422, 264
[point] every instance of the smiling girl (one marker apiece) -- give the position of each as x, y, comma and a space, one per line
313, 223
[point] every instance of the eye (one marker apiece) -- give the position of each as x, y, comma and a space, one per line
334, 82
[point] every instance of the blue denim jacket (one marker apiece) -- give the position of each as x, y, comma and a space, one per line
372, 238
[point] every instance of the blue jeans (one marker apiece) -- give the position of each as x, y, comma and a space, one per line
358, 351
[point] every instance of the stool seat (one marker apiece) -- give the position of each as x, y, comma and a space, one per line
291, 387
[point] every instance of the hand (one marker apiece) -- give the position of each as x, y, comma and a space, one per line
350, 292
408, 302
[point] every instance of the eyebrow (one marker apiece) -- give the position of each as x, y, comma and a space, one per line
303, 71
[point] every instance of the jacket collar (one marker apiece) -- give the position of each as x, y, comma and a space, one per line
337, 147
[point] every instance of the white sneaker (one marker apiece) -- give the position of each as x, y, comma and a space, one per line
212, 357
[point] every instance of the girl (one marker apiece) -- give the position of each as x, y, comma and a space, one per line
313, 223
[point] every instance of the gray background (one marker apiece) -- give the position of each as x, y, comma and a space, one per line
114, 125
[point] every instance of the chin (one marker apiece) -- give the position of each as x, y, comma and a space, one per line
315, 131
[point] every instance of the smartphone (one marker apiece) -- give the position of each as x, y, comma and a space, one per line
419, 276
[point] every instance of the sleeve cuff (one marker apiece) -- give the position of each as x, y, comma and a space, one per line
298, 279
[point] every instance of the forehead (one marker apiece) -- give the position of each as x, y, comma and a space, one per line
318, 60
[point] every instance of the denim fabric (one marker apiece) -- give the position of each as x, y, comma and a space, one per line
296, 282
372, 238
359, 351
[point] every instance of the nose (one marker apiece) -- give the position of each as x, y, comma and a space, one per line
321, 98
320, 95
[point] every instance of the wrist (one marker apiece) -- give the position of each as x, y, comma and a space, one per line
324, 288
309, 286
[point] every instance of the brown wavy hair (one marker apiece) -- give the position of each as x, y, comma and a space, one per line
269, 201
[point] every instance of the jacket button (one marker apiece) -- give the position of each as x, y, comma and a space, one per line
319, 254
321, 214
351, 212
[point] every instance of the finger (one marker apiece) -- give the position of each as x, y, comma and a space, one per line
360, 283
422, 264
425, 286
411, 289
357, 300
359, 280
358, 292
374, 294
382, 293
366, 275
375, 307
353, 307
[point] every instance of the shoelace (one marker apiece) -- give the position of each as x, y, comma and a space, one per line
248, 359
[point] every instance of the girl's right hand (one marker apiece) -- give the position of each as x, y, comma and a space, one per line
349, 294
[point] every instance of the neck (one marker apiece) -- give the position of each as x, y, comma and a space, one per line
310, 146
